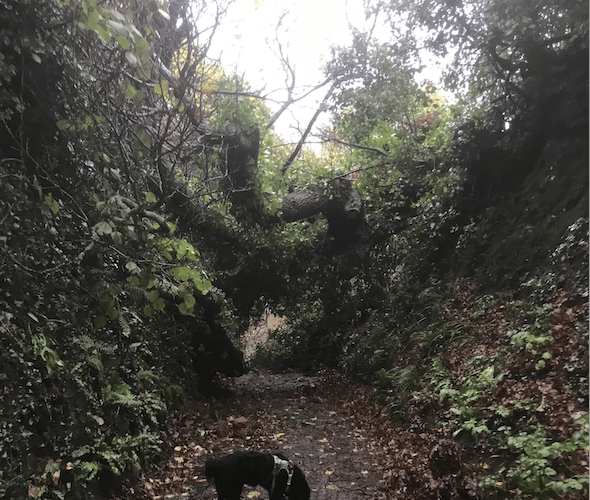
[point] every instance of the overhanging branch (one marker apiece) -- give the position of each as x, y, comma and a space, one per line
297, 149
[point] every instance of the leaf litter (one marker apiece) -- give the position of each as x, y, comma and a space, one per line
343, 439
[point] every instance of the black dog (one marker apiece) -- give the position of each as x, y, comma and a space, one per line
275, 473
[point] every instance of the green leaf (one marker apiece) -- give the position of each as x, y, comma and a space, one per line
118, 27
123, 42
189, 300
131, 59
100, 321
51, 203
63, 124
182, 273
161, 88
150, 197
202, 286
185, 309
92, 20
133, 280
103, 228
132, 267
103, 34
117, 237
184, 249
130, 91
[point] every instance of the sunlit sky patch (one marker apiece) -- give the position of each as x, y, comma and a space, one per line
247, 44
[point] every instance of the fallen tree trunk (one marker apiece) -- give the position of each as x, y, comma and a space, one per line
303, 204
336, 199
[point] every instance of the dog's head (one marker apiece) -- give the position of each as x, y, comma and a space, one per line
299, 489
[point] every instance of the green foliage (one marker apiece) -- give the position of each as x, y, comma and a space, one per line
437, 336
513, 431
480, 380
397, 386
376, 86
533, 474
246, 112
493, 44
535, 333
44, 348
368, 352
118, 226
120, 455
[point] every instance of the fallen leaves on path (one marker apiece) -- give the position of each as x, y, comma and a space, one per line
331, 427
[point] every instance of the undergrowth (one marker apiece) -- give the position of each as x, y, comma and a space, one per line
522, 454
92, 411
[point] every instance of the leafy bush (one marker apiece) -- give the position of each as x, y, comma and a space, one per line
532, 473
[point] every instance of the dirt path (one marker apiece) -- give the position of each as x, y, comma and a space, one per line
310, 419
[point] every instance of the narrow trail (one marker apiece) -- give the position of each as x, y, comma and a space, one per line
317, 421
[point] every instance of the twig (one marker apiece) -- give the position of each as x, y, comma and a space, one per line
297, 149
357, 146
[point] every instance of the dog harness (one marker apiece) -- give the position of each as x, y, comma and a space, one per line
280, 465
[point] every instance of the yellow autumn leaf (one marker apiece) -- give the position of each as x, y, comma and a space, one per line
178, 448
329, 472
253, 494
208, 89
324, 440
279, 435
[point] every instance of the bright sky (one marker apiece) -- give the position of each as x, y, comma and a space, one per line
245, 43
246, 40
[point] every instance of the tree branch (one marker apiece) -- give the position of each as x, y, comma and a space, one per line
357, 146
297, 149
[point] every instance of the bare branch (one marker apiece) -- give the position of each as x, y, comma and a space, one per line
292, 100
356, 146
297, 149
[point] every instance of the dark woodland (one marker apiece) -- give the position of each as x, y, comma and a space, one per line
403, 309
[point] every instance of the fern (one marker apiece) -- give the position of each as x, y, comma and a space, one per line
118, 455
124, 324
89, 470
121, 394
136, 292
